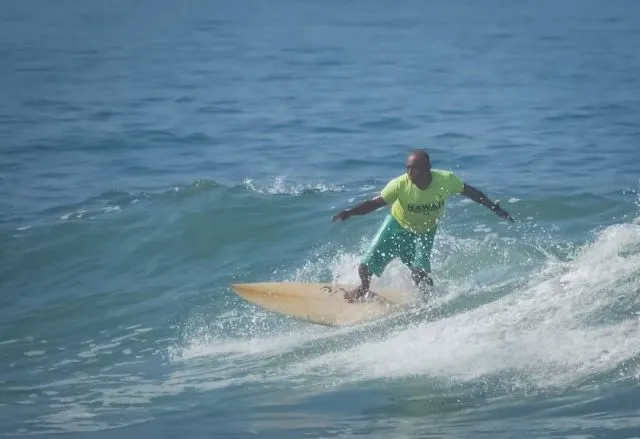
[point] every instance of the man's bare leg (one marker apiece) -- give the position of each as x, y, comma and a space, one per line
363, 289
422, 279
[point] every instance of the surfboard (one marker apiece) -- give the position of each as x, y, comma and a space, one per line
320, 303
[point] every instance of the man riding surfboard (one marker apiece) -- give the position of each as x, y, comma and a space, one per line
417, 200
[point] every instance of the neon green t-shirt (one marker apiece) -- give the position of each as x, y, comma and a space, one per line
418, 210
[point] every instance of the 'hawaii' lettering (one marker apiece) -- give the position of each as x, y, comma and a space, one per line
423, 208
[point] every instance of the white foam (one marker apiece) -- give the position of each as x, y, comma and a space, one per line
15, 340
544, 334
72, 418
34, 353
281, 186
97, 349
543, 330
342, 268
75, 215
207, 346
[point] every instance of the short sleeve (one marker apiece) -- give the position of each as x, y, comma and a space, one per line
390, 192
454, 185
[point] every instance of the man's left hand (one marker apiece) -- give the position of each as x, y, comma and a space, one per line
501, 212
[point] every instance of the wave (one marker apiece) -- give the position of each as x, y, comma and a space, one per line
611, 205
556, 325
280, 186
544, 334
548, 321
115, 201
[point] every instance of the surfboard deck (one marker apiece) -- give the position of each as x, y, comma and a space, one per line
320, 303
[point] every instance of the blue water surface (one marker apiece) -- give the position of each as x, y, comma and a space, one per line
152, 153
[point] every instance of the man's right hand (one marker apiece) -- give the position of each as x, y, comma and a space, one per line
341, 216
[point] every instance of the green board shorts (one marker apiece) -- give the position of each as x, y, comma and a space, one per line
393, 241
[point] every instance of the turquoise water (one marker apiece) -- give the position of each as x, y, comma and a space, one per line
153, 153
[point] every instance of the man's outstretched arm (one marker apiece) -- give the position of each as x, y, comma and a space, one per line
361, 209
480, 198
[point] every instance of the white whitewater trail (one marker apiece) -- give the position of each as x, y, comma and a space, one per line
547, 332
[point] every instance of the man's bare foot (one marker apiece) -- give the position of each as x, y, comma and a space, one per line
355, 294
426, 285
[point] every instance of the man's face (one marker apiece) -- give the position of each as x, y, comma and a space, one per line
418, 167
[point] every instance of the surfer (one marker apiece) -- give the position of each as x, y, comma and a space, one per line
417, 201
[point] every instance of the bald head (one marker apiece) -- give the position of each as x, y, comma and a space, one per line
419, 166
421, 156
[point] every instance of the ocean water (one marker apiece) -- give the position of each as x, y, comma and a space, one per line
152, 153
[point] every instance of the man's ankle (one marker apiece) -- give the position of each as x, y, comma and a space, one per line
425, 284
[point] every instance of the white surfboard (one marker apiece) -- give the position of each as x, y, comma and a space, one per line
320, 303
